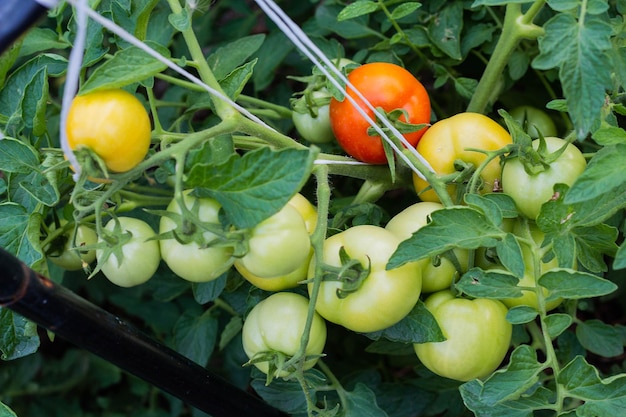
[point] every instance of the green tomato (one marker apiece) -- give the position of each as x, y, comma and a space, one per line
477, 337
140, 256
71, 257
384, 297
530, 191
312, 119
276, 324
534, 120
436, 274
290, 280
278, 245
192, 261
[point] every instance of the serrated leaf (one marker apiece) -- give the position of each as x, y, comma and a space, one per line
445, 28
235, 82
489, 284
600, 338
557, 323
234, 54
567, 283
127, 66
510, 254
450, 228
465, 87
255, 186
40, 189
361, 402
356, 9
18, 337
195, 337
419, 326
18, 230
604, 172
580, 53
16, 156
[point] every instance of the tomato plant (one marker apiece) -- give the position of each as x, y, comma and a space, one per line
211, 155
135, 257
291, 279
113, 124
199, 259
462, 138
275, 326
386, 86
531, 189
370, 298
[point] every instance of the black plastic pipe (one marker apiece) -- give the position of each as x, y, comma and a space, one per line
88, 326
16, 17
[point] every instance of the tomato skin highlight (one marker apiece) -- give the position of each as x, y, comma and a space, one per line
530, 191
276, 324
477, 337
447, 140
112, 123
385, 85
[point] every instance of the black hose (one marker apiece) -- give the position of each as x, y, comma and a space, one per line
16, 17
89, 327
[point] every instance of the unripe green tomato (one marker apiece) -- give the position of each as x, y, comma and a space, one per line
141, 256
190, 261
477, 337
314, 123
278, 245
534, 120
531, 191
435, 277
72, 258
290, 280
277, 324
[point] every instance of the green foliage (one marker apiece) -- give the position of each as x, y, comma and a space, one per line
565, 56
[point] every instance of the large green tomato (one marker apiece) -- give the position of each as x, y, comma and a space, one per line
140, 255
192, 261
278, 245
477, 337
71, 257
384, 297
530, 191
436, 276
534, 120
290, 280
276, 324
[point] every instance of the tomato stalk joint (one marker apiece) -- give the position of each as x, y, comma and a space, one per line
351, 274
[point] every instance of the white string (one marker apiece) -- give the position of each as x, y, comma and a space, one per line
332, 162
302, 41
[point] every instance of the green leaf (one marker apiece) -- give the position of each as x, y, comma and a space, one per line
356, 9
231, 330
521, 314
235, 82
128, 66
557, 323
18, 337
5, 411
35, 103
37, 186
496, 2
255, 186
489, 284
452, 227
234, 54
405, 9
387, 347
8, 58
205, 292
17, 156
608, 136
18, 230
286, 395
602, 397
195, 337
580, 51
181, 20
510, 254
600, 338
445, 28
361, 402
419, 326
620, 257
604, 172
42, 39
567, 283
326, 18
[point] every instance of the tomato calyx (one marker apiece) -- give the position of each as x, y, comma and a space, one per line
538, 160
394, 117
310, 102
351, 273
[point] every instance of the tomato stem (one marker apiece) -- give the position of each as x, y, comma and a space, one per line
517, 26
